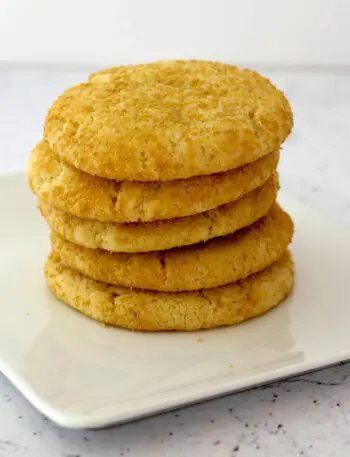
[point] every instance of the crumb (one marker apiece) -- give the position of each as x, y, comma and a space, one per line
200, 340
231, 365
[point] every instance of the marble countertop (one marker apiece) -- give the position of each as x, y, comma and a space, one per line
307, 415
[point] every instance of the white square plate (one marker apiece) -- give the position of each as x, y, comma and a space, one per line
81, 374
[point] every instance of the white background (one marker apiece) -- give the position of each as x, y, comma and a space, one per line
106, 32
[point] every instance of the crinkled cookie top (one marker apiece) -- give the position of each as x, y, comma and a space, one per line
168, 120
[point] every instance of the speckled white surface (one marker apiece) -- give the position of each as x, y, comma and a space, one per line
309, 415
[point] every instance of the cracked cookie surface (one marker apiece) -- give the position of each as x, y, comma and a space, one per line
168, 120
205, 265
184, 311
160, 235
90, 197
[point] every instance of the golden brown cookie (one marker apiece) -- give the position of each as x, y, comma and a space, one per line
160, 235
185, 311
168, 120
205, 265
89, 197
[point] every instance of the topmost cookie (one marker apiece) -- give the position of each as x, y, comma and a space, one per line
168, 120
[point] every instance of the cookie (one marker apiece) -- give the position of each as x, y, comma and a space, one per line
205, 265
160, 235
89, 197
168, 120
184, 311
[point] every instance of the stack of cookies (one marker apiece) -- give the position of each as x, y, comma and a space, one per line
159, 185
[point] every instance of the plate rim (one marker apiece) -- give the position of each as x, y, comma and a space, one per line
101, 420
